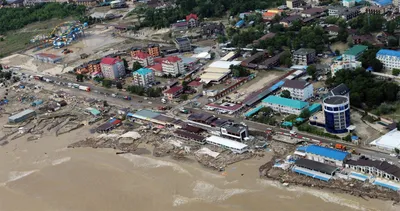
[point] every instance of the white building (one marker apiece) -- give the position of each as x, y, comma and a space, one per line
143, 58
172, 65
388, 142
375, 168
143, 77
284, 105
340, 65
299, 90
112, 68
323, 154
234, 146
349, 3
389, 58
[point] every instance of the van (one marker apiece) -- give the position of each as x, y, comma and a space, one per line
292, 132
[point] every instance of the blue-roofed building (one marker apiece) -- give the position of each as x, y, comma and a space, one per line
389, 58
143, 77
285, 105
239, 24
326, 155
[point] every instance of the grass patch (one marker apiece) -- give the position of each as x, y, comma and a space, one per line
15, 42
305, 127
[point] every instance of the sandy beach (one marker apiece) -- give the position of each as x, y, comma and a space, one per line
45, 175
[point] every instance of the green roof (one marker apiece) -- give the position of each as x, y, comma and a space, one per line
93, 111
356, 50
296, 104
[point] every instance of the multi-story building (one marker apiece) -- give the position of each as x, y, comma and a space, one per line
87, 3
303, 56
284, 105
154, 50
389, 58
210, 29
112, 68
173, 92
349, 3
180, 25
299, 90
34, 2
337, 114
143, 58
135, 50
354, 53
143, 77
396, 3
375, 168
376, 10
293, 3
234, 130
343, 12
94, 66
183, 44
172, 65
340, 65
192, 20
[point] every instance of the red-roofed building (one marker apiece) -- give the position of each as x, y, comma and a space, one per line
196, 85
270, 14
143, 58
172, 65
157, 69
112, 68
173, 92
192, 19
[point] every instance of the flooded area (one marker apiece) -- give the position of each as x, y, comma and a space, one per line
45, 175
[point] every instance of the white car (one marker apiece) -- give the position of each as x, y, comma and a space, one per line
393, 155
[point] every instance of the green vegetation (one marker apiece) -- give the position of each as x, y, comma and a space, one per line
239, 71
291, 118
265, 116
184, 97
366, 23
286, 58
347, 138
285, 94
136, 66
395, 72
368, 59
366, 92
305, 114
15, 41
16, 18
79, 77
106, 83
143, 91
312, 71
314, 130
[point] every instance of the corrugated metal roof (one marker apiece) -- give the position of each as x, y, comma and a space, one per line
327, 152
226, 142
147, 114
356, 50
21, 114
297, 104
385, 52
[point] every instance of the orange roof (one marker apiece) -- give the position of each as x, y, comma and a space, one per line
269, 14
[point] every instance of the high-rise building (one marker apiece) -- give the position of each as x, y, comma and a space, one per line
112, 68
143, 77
337, 113
389, 58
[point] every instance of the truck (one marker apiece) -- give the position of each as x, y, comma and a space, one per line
84, 88
127, 98
163, 100
340, 147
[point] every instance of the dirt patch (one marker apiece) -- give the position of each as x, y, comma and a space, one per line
342, 47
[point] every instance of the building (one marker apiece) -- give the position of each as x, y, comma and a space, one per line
299, 90
35, 2
196, 85
217, 71
212, 29
143, 58
172, 65
182, 44
190, 136
343, 12
389, 141
389, 58
267, 36
94, 66
234, 146
240, 24
157, 69
180, 25
354, 53
143, 77
270, 14
21, 116
192, 20
234, 130
173, 92
337, 114
348, 3
135, 50
303, 56
46, 57
396, 3
87, 3
154, 50
314, 169
291, 4
287, 21
375, 168
348, 65
284, 105
325, 155
201, 119
375, 10
308, 13
112, 68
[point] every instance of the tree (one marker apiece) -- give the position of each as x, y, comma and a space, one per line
107, 83
1, 67
136, 66
222, 39
312, 71
395, 71
184, 97
305, 114
285, 94
79, 77
337, 52
397, 150
185, 85
119, 85
376, 65
286, 59
239, 71
212, 55
393, 41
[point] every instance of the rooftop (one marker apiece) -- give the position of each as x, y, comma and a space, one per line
182, 39
304, 51
109, 60
143, 71
390, 140
172, 59
385, 52
313, 11
226, 142
173, 90
147, 114
295, 84
335, 100
142, 55
21, 114
189, 135
156, 67
356, 50
190, 16
48, 55
297, 104
341, 89
381, 165
327, 152
224, 64
316, 166
291, 18
234, 127
195, 84
200, 116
